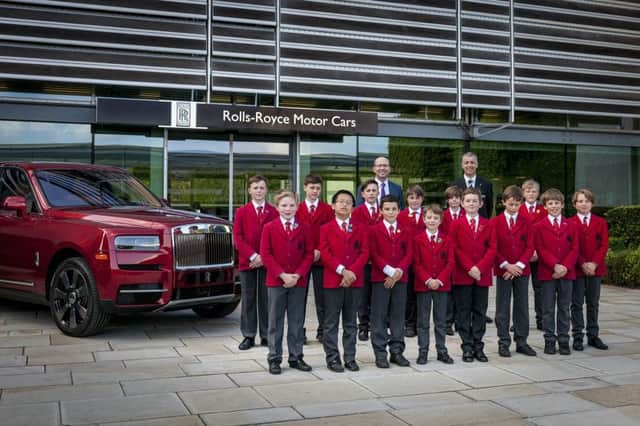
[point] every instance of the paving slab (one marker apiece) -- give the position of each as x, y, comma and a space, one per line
411, 384
88, 346
547, 404
177, 384
241, 366
632, 411
12, 371
169, 421
614, 396
260, 378
488, 376
137, 354
622, 379
541, 371
250, 417
61, 358
416, 401
160, 362
500, 392
21, 341
377, 418
213, 401
340, 408
320, 392
30, 380
13, 361
591, 418
456, 414
572, 385
60, 393
610, 364
86, 376
30, 415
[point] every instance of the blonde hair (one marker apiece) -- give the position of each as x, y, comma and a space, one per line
284, 193
587, 194
531, 183
551, 194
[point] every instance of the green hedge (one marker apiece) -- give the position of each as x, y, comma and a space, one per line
623, 268
624, 228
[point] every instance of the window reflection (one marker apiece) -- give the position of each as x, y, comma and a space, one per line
334, 159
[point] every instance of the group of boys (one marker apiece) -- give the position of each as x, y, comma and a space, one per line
441, 255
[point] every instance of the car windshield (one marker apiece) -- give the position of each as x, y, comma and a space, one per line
93, 188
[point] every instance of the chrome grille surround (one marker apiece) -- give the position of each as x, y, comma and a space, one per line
202, 246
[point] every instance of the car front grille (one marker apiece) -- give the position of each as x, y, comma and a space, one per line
201, 246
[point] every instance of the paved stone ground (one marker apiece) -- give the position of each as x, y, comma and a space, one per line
175, 369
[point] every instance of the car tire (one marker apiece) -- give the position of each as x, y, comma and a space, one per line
216, 310
74, 301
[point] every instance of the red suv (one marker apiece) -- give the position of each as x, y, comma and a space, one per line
91, 241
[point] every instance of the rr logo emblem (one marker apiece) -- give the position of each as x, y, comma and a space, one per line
183, 114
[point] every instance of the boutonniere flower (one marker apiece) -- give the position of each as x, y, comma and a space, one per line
295, 225
439, 240
480, 228
349, 228
538, 211
398, 231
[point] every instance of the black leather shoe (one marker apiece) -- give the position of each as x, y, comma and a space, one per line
512, 329
274, 368
382, 363
410, 332
467, 356
351, 366
247, 343
504, 351
525, 350
488, 319
264, 342
335, 366
422, 358
597, 343
450, 331
363, 335
539, 325
480, 356
300, 365
444, 357
578, 345
399, 360
320, 337
564, 349
550, 348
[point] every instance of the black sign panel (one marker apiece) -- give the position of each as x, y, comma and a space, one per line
132, 112
286, 120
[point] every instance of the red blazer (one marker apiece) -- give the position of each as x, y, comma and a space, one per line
350, 249
292, 254
323, 214
362, 215
409, 223
593, 243
512, 245
471, 250
395, 252
554, 248
539, 213
445, 225
247, 230
430, 262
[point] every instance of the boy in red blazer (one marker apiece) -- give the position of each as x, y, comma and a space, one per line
344, 248
390, 247
433, 261
453, 212
514, 243
313, 212
594, 243
247, 229
475, 249
534, 211
287, 253
556, 241
367, 214
411, 219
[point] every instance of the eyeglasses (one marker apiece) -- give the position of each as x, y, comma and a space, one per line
345, 202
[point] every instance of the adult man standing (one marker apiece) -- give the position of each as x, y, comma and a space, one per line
381, 170
470, 179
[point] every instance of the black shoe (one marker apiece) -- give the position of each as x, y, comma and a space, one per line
444, 357
422, 358
399, 360
274, 367
247, 343
382, 363
450, 331
512, 329
264, 342
488, 319
550, 348
351, 366
410, 332
467, 356
597, 343
539, 325
480, 356
504, 351
300, 365
564, 349
335, 366
578, 345
525, 350
363, 334
320, 337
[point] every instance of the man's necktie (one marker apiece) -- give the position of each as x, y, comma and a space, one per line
344, 226
472, 223
383, 190
373, 211
312, 209
287, 227
585, 222
470, 183
260, 212
433, 240
532, 209
392, 231
556, 226
512, 222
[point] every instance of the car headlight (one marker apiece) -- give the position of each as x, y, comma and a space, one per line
138, 243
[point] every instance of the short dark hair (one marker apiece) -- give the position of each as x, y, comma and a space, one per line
453, 191
256, 179
367, 183
415, 189
343, 191
433, 208
474, 191
311, 178
587, 194
551, 194
389, 199
512, 191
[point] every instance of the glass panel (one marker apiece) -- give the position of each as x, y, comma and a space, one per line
332, 159
140, 153
38, 141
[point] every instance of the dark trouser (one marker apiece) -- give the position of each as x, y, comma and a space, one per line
451, 310
410, 310
537, 291
471, 310
387, 308
291, 301
254, 309
424, 303
336, 301
519, 287
316, 272
364, 309
589, 288
556, 293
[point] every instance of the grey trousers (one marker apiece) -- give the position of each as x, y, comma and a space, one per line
556, 293
519, 289
387, 308
316, 273
337, 302
424, 302
585, 288
290, 301
364, 307
254, 309
537, 291
471, 311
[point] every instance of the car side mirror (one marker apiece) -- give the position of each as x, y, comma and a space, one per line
16, 203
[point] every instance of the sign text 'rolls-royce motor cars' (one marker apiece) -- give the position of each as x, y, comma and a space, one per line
91, 241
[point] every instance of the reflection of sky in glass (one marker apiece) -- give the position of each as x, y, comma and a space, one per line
23, 132
128, 140
269, 148
374, 145
345, 148
198, 146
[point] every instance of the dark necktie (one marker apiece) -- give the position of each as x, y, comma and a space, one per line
556, 226
287, 227
512, 222
470, 183
532, 209
373, 211
260, 212
344, 226
585, 222
472, 224
433, 240
383, 190
312, 209
392, 231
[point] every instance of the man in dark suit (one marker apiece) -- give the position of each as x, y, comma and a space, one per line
382, 169
471, 180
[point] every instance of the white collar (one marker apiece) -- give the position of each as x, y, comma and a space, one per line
388, 224
551, 218
284, 221
429, 234
256, 205
340, 221
582, 216
508, 216
311, 203
375, 206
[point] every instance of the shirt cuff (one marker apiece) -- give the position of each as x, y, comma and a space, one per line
520, 265
388, 270
253, 256
340, 269
503, 264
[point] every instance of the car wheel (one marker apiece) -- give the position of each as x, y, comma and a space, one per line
74, 300
216, 310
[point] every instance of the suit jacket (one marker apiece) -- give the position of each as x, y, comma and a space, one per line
432, 262
394, 189
291, 254
594, 243
513, 245
473, 249
393, 251
445, 225
556, 248
486, 188
362, 215
247, 230
409, 223
350, 249
322, 215
539, 213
